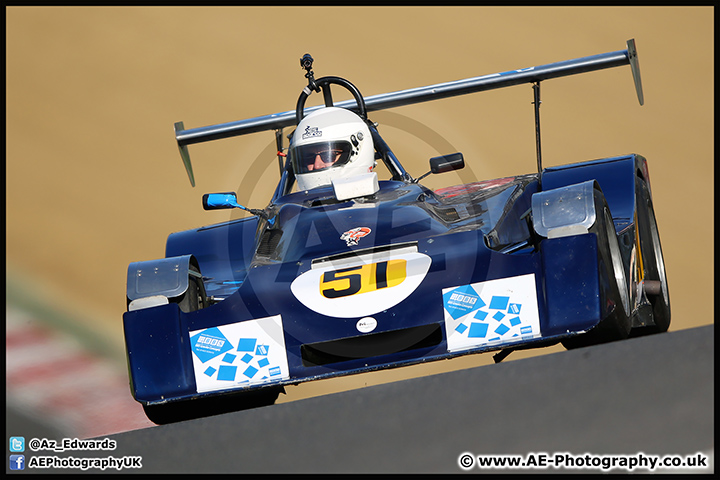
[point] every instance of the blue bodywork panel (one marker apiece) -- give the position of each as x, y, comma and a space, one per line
462, 248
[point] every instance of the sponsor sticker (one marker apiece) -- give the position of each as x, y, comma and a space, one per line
352, 237
239, 354
311, 132
492, 312
366, 325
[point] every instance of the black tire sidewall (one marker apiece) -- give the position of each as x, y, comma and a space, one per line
646, 223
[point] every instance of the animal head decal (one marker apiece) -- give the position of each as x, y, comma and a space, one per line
352, 237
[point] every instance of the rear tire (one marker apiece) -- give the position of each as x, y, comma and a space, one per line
653, 263
613, 280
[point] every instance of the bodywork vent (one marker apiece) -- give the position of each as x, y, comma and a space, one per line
269, 242
371, 345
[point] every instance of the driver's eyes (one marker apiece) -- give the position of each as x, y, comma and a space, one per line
327, 156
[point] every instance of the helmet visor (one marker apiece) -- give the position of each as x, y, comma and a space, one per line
319, 156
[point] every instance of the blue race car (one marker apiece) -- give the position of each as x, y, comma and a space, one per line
343, 273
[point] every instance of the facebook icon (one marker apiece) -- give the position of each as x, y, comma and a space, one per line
17, 462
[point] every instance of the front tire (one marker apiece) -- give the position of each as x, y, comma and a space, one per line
173, 412
613, 281
194, 297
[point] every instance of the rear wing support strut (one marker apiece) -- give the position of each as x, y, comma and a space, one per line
538, 148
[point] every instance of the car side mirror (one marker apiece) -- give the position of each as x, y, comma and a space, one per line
447, 163
444, 163
217, 201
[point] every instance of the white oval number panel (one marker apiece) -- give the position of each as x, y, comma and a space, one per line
361, 285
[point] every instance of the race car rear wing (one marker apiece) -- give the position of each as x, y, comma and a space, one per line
533, 75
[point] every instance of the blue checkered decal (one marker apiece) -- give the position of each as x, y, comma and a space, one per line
492, 312
239, 354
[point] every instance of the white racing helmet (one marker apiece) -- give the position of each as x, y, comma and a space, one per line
330, 143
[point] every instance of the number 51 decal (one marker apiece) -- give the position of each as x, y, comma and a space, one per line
362, 278
362, 285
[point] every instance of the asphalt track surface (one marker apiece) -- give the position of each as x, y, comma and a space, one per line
649, 395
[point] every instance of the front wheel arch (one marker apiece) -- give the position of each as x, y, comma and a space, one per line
616, 324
